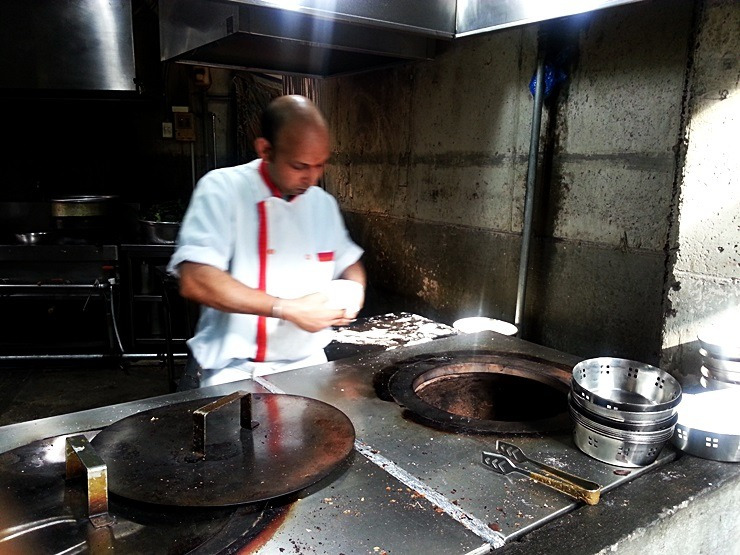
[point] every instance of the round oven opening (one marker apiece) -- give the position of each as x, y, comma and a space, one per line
487, 392
484, 393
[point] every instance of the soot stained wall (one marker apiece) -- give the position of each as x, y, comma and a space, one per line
431, 160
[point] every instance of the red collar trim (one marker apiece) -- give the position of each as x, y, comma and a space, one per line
266, 178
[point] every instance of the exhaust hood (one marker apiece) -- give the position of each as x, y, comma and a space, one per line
70, 45
303, 37
480, 16
331, 37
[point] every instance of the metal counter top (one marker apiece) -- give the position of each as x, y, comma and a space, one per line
446, 464
364, 510
409, 488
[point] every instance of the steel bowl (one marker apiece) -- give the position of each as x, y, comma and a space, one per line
715, 384
618, 447
625, 385
709, 424
726, 364
732, 378
160, 233
721, 341
617, 417
613, 427
33, 237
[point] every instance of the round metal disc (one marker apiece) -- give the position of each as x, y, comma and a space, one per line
296, 443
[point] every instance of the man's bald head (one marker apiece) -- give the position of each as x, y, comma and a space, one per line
290, 111
294, 144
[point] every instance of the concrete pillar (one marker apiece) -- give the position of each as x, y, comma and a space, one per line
703, 286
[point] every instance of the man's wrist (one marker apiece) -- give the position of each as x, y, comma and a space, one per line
277, 309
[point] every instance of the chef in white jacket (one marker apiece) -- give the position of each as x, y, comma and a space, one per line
258, 246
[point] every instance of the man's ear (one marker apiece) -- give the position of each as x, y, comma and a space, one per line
263, 148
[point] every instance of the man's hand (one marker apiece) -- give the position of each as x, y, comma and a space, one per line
212, 287
312, 313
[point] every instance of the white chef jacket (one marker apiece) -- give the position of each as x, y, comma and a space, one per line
237, 222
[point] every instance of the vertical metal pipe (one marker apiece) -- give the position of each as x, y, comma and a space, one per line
534, 145
213, 139
192, 163
113, 317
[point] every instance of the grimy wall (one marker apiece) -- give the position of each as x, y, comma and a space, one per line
430, 167
703, 288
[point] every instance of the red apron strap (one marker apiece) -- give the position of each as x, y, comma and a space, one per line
262, 246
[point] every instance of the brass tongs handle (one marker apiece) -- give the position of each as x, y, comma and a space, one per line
589, 496
504, 465
516, 455
577, 480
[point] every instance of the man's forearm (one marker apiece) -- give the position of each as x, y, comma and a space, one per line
209, 286
355, 272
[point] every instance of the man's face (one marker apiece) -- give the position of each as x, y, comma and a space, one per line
297, 159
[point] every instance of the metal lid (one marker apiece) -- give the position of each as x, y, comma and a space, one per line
223, 451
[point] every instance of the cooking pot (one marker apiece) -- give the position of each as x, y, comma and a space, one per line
86, 218
160, 233
82, 206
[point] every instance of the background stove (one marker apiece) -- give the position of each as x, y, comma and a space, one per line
60, 298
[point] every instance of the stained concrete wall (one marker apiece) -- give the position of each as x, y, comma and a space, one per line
431, 163
609, 199
704, 286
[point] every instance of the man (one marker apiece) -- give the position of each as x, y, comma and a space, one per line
258, 244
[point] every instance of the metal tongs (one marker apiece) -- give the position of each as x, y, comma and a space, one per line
507, 455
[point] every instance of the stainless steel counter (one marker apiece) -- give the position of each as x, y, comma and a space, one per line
449, 464
409, 488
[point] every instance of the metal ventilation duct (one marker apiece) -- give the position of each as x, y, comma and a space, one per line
331, 37
79, 45
480, 16
317, 38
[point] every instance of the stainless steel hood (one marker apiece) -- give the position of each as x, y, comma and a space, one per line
66, 45
332, 37
480, 16
317, 38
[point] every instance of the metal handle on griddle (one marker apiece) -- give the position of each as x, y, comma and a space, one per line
200, 418
81, 459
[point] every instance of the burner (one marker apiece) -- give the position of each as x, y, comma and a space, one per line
41, 512
480, 392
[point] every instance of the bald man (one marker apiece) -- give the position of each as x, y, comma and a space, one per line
258, 244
